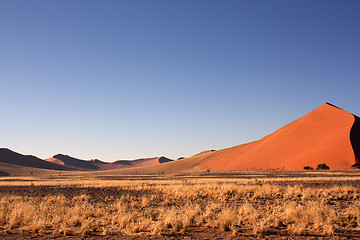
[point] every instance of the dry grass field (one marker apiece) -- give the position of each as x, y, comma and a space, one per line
228, 205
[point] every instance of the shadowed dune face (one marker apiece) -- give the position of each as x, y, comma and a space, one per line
143, 161
355, 140
164, 160
149, 161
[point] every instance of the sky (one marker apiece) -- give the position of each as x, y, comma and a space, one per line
130, 79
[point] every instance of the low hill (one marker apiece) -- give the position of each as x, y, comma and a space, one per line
10, 157
95, 164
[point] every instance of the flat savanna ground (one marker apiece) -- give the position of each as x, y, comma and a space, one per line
211, 205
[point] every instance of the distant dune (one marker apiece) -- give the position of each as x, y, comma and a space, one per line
66, 160
17, 159
327, 135
96, 164
12, 163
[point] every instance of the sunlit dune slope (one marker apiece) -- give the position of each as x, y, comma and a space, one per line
321, 136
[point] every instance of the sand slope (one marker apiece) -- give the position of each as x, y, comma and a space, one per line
321, 136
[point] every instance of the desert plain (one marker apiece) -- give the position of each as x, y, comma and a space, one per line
208, 205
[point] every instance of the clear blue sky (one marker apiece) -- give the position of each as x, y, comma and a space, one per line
128, 79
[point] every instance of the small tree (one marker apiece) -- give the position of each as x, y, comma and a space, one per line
322, 166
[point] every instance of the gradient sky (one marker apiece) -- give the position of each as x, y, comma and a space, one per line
129, 79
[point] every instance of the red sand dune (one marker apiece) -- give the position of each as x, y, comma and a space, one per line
322, 136
327, 135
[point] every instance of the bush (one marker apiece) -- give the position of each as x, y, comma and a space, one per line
322, 166
308, 168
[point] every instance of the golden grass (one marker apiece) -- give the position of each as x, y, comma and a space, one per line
111, 181
175, 206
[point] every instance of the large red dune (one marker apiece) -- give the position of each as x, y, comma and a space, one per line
327, 135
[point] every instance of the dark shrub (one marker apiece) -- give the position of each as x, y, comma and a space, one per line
322, 166
308, 168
